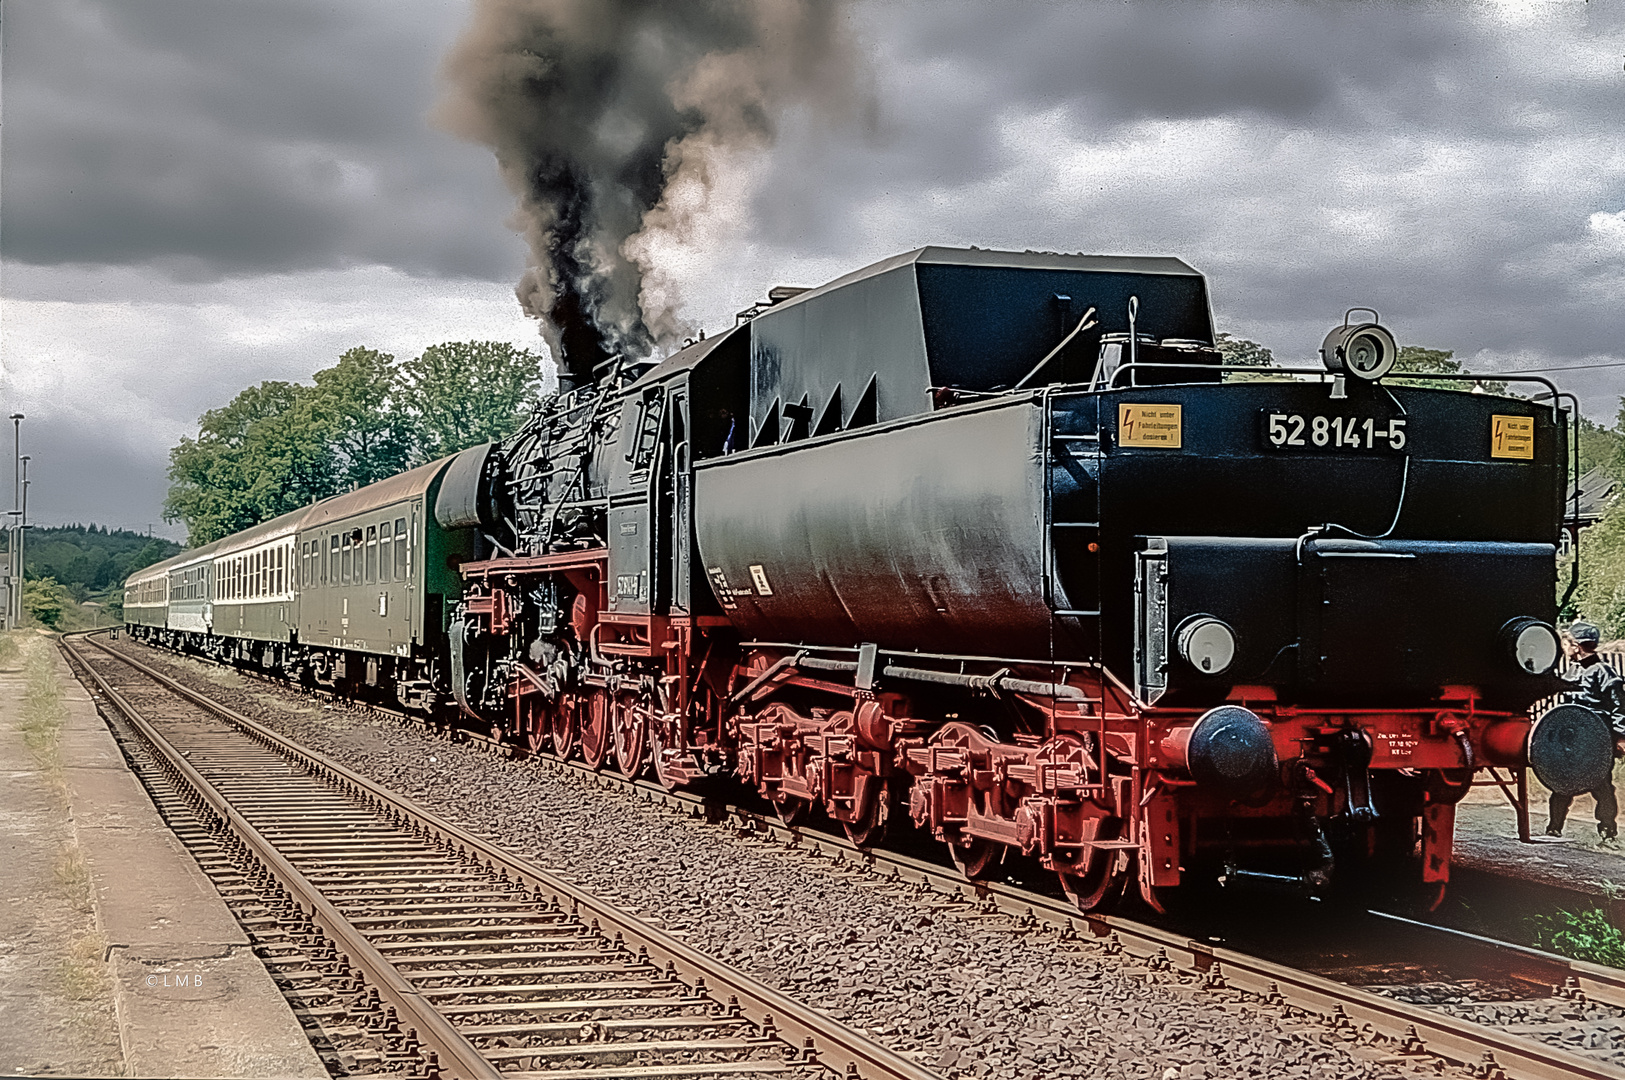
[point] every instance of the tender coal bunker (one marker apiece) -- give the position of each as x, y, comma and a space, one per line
987, 326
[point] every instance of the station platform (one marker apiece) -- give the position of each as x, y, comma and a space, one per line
1580, 863
117, 955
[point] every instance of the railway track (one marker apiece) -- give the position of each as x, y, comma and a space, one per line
1349, 993
410, 946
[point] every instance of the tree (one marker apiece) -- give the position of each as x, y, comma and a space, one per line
1245, 353
44, 600
279, 446
356, 406
1601, 446
262, 455
1240, 351
1414, 359
467, 392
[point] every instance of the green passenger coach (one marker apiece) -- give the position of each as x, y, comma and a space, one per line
375, 571
254, 591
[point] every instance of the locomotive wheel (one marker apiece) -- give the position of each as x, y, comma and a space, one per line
1159, 898
870, 830
1097, 884
976, 857
631, 738
665, 761
538, 733
793, 811
595, 729
564, 718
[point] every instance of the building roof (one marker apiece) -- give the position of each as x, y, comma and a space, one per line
1596, 491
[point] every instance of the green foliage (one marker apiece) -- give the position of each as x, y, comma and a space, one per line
1601, 595
1245, 353
1580, 935
44, 600
262, 455
88, 559
280, 446
1416, 360
464, 393
1601, 446
356, 406
1242, 352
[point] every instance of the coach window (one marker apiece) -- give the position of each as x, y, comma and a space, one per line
400, 549
349, 558
383, 551
372, 554
333, 559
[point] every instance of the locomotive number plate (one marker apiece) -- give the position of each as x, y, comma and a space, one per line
1315, 431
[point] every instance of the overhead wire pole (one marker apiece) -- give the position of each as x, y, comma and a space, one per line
22, 533
15, 614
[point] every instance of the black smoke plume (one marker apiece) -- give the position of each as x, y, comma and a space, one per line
596, 107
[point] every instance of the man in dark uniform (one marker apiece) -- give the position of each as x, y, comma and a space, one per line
1600, 689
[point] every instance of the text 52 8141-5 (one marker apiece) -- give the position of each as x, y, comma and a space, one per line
1300, 431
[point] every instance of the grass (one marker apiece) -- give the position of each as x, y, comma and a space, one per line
1580, 935
83, 972
43, 712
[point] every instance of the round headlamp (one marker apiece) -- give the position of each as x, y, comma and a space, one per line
1206, 644
1364, 350
1532, 645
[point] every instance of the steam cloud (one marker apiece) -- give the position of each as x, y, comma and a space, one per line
598, 108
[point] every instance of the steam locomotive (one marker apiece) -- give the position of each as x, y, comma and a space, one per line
992, 540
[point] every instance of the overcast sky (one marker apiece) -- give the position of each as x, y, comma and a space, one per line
200, 195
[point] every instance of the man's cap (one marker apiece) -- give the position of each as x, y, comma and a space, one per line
1585, 633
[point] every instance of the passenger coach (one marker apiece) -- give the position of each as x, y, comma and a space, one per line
351, 591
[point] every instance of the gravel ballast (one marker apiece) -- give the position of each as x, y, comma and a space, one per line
966, 994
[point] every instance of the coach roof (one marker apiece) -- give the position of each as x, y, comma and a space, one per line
396, 489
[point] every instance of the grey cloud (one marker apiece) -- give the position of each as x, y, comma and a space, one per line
1435, 160
225, 139
80, 474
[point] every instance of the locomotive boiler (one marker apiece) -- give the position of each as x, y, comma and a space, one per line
996, 542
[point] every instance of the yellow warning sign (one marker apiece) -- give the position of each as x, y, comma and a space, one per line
1148, 425
1512, 437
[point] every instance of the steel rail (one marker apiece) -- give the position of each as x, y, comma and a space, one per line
455, 1053
1461, 1041
1415, 1028
1420, 1029
823, 1040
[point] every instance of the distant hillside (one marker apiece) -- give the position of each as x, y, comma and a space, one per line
90, 559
